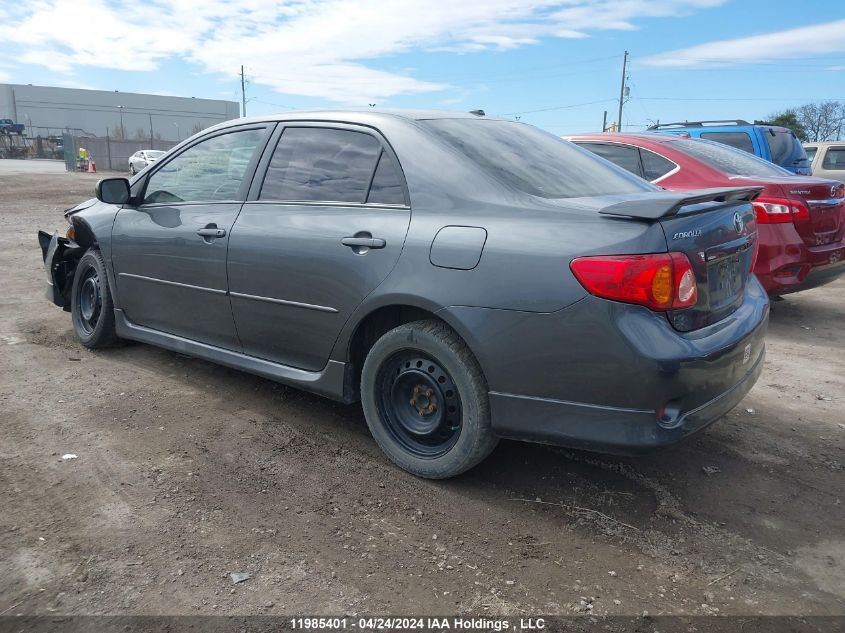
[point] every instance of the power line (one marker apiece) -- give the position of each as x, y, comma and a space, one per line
806, 99
562, 107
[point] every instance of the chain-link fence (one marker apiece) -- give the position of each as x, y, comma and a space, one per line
107, 153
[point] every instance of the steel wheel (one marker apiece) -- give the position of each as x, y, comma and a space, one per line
90, 300
419, 403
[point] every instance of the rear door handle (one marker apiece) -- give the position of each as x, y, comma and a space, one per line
211, 231
363, 242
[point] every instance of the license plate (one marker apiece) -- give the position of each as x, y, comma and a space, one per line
725, 278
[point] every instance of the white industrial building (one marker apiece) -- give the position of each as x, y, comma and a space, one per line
47, 111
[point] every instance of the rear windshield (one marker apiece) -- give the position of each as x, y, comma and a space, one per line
154, 153
534, 161
786, 149
729, 160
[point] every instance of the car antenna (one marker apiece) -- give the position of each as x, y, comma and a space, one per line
477, 112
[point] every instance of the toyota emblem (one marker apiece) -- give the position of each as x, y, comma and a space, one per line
738, 223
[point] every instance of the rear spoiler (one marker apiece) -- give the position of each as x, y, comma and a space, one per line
673, 201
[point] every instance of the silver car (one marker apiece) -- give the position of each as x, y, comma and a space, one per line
142, 158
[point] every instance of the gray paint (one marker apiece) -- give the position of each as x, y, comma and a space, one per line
561, 365
96, 111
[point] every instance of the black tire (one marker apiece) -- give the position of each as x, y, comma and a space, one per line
425, 399
132, 169
91, 306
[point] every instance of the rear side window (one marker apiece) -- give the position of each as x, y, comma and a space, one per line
654, 165
727, 159
811, 153
321, 164
626, 156
739, 140
387, 184
786, 149
834, 158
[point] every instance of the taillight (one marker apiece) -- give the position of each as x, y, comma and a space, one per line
660, 281
778, 210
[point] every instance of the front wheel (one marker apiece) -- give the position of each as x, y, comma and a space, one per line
425, 400
132, 169
91, 307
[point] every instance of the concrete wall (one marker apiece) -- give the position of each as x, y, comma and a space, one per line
45, 110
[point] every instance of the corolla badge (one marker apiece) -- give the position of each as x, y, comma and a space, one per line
685, 235
738, 223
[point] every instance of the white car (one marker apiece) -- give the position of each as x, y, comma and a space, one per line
142, 158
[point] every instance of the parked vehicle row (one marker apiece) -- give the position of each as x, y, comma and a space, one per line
464, 277
801, 219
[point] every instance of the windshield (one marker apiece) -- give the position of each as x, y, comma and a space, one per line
155, 154
729, 160
534, 161
786, 150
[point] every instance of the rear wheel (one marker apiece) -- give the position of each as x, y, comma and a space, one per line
425, 400
132, 169
91, 306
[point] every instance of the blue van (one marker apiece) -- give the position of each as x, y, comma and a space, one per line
770, 142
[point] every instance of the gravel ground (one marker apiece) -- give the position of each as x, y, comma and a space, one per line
187, 471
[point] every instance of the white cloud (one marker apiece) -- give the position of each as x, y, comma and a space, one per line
807, 41
317, 48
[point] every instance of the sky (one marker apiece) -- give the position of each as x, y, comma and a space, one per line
553, 63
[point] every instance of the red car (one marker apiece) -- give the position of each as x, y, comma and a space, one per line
801, 219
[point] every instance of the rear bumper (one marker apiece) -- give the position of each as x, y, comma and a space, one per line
609, 429
613, 377
786, 264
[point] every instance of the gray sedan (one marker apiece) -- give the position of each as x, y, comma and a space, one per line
465, 278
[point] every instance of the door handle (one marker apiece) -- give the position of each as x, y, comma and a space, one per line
211, 231
363, 242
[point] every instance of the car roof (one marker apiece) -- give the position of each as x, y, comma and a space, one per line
369, 116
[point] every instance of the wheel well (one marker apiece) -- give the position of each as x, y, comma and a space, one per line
371, 329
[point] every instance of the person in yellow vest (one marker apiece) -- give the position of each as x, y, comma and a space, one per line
82, 160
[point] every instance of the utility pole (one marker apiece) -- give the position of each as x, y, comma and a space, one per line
243, 91
604, 122
151, 129
622, 91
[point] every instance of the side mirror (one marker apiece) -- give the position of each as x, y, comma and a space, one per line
113, 190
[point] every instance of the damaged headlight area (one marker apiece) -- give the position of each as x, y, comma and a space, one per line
60, 254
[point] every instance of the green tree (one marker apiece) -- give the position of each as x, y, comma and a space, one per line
788, 119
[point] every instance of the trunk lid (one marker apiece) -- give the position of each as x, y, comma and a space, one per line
716, 229
826, 201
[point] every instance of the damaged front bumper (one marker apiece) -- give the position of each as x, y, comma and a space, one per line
60, 255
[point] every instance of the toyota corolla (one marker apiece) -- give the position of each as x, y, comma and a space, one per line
464, 278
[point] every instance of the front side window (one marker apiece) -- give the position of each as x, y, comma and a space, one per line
213, 169
532, 161
811, 153
321, 164
739, 140
834, 158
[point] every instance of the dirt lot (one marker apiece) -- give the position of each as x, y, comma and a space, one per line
187, 471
